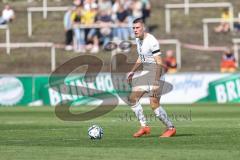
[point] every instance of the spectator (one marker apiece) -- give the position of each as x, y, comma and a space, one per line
77, 3
89, 18
78, 32
7, 15
68, 29
137, 9
224, 26
228, 62
146, 9
89, 4
122, 19
105, 5
128, 6
115, 7
105, 32
170, 62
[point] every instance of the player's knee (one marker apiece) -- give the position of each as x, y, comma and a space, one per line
154, 103
132, 100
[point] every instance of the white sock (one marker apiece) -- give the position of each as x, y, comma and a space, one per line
162, 115
138, 110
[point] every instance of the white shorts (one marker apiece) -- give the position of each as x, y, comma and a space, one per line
144, 80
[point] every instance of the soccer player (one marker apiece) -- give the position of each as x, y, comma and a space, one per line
149, 56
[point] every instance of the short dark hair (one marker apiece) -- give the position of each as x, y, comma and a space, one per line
138, 20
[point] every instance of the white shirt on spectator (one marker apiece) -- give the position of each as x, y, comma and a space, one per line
105, 5
7, 14
137, 9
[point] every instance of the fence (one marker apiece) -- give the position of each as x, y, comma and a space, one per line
35, 45
44, 8
168, 8
236, 42
212, 20
186, 7
40, 9
7, 30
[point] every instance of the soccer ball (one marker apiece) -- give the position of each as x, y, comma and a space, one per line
95, 132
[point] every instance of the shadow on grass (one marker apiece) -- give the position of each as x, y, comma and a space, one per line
184, 135
177, 135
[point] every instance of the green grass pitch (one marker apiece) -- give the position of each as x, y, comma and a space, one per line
204, 131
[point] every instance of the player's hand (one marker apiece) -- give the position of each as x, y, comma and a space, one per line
129, 77
156, 89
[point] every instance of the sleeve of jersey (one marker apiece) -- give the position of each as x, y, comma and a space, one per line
155, 48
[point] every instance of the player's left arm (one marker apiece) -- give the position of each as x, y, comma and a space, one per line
159, 66
156, 82
155, 48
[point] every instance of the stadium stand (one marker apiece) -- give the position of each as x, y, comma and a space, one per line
194, 56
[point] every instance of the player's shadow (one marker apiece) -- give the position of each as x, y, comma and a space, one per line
184, 135
177, 135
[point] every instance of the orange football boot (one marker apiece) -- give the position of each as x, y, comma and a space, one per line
142, 131
169, 133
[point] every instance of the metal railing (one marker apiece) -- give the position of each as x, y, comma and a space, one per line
30, 10
206, 21
236, 43
168, 8
7, 34
44, 8
35, 45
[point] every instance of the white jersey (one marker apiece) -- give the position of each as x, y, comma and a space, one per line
148, 48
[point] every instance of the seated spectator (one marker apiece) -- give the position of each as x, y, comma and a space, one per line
170, 62
228, 62
68, 30
224, 26
7, 15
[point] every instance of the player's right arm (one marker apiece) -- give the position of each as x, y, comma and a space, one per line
134, 68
